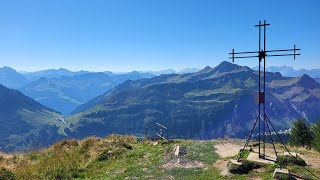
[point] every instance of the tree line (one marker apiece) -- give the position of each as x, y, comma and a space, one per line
305, 135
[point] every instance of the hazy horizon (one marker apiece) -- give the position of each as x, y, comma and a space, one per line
148, 70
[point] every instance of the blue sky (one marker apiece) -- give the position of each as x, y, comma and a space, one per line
125, 35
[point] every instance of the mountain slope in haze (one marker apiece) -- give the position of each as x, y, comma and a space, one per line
65, 93
168, 78
213, 102
11, 78
51, 73
24, 122
288, 71
172, 71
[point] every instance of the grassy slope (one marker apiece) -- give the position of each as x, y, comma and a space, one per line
118, 157
35, 123
211, 103
40, 117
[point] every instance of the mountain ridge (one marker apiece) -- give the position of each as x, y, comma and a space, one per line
11, 78
25, 123
213, 102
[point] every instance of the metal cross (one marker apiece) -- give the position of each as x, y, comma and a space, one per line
261, 54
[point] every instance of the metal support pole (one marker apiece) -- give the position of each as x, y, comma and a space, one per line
264, 91
259, 89
249, 138
274, 148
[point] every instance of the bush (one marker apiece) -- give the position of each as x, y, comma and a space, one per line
65, 144
244, 168
285, 160
33, 155
117, 138
282, 176
6, 174
253, 144
245, 154
107, 154
87, 144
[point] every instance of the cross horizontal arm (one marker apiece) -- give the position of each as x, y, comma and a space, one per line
278, 50
262, 25
243, 57
281, 50
283, 55
273, 55
249, 52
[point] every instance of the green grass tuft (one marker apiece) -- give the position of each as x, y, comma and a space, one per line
6, 174
200, 151
286, 160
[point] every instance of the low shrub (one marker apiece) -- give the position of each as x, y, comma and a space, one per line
272, 167
33, 155
107, 154
65, 144
282, 176
253, 144
87, 144
117, 138
285, 160
6, 174
244, 168
244, 154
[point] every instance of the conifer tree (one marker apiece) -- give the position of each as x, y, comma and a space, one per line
316, 133
301, 134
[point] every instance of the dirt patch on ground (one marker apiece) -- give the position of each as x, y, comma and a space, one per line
227, 149
221, 164
312, 159
180, 163
5, 156
260, 170
6, 160
254, 178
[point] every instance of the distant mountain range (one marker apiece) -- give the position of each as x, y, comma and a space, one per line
65, 93
25, 123
11, 78
51, 73
172, 71
210, 103
14, 79
290, 72
64, 90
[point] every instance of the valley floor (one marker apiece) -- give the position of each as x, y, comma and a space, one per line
122, 157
